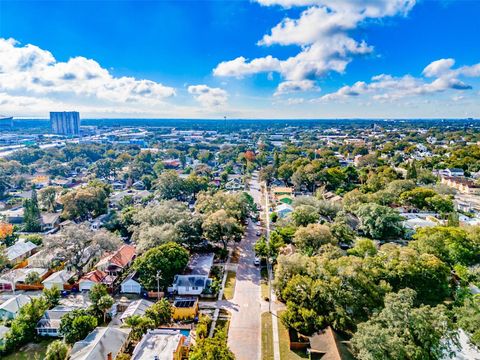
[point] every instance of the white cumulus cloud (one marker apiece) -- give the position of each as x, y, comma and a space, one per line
31, 72
323, 34
439, 76
207, 96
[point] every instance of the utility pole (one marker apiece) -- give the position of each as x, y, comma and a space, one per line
158, 284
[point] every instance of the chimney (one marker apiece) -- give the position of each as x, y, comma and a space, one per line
109, 356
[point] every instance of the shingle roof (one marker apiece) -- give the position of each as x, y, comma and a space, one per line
99, 343
95, 276
120, 258
14, 304
137, 307
19, 249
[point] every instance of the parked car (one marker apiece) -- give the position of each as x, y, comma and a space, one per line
256, 261
258, 233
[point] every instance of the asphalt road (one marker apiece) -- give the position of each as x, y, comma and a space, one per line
244, 336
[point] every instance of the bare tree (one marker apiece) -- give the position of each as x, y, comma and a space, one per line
78, 244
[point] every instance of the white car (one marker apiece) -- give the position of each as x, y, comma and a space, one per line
256, 261
258, 233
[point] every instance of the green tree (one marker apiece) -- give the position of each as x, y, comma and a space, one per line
31, 213
160, 312
401, 331
213, 348
468, 318
450, 244
219, 227
379, 222
441, 204
168, 260
363, 248
310, 238
304, 215
139, 325
32, 278
48, 198
417, 197
56, 350
52, 296
104, 304
76, 325
170, 186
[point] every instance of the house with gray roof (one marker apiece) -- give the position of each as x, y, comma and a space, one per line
103, 343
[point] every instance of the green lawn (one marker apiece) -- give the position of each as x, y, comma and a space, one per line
31, 351
264, 283
229, 285
285, 352
267, 336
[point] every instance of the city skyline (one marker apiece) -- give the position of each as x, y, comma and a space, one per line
259, 59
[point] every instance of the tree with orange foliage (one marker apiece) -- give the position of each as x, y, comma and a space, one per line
7, 234
250, 155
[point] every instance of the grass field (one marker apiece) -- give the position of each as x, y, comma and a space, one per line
32, 351
267, 336
285, 352
229, 285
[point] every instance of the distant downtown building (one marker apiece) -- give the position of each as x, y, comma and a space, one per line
65, 122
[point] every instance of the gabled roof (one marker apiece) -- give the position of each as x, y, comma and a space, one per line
137, 307
99, 343
191, 280
61, 276
328, 345
14, 304
19, 249
94, 276
119, 258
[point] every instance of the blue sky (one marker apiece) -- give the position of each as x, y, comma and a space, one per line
253, 59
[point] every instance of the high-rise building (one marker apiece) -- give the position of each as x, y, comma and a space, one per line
65, 122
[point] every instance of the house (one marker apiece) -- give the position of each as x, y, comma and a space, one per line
137, 307
328, 345
103, 343
281, 190
130, 285
453, 172
13, 216
283, 210
10, 308
57, 279
41, 259
93, 277
49, 324
18, 276
185, 308
190, 284
161, 344
464, 185
116, 262
20, 251
49, 221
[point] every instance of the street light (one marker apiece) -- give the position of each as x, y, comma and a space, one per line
158, 283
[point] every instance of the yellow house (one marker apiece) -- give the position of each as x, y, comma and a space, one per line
185, 308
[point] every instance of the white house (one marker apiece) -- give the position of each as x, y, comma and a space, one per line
130, 285
90, 279
57, 279
190, 284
